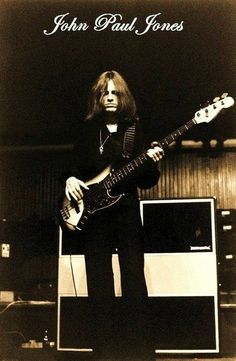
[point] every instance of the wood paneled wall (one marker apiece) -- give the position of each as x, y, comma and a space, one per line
189, 175
29, 183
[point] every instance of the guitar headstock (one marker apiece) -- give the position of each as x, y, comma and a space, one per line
206, 114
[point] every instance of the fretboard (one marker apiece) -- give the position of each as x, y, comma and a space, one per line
117, 176
176, 134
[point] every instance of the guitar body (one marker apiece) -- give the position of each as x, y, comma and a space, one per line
75, 214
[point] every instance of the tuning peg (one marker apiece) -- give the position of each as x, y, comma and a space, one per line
224, 95
216, 99
206, 104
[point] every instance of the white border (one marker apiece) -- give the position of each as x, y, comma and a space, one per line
59, 308
58, 332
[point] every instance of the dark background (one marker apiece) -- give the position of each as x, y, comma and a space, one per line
45, 79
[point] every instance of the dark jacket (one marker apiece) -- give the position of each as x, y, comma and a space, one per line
88, 162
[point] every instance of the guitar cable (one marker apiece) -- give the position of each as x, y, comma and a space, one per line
73, 276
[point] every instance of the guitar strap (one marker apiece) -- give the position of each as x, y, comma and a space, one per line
128, 143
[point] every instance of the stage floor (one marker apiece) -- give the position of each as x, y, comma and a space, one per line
53, 357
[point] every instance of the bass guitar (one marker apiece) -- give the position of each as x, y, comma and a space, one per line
75, 214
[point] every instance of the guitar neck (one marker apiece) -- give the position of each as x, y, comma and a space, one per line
119, 175
177, 133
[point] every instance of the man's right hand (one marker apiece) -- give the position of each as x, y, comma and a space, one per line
73, 188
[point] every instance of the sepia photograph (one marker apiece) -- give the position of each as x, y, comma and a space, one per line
117, 180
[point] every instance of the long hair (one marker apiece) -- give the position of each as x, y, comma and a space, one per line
126, 105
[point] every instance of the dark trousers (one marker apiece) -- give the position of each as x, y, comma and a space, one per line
122, 319
115, 229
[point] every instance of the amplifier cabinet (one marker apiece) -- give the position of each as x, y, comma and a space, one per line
181, 277
226, 227
181, 273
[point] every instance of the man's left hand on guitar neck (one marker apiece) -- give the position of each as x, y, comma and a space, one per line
155, 152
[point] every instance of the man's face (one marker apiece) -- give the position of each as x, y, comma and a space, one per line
110, 98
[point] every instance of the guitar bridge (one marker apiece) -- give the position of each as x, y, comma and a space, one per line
65, 213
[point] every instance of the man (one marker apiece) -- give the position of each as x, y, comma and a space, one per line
111, 110
111, 134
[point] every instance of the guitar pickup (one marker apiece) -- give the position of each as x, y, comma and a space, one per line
76, 207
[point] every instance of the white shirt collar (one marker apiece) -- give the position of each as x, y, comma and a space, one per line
112, 127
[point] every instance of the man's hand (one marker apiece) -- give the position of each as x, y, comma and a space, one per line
73, 188
155, 152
